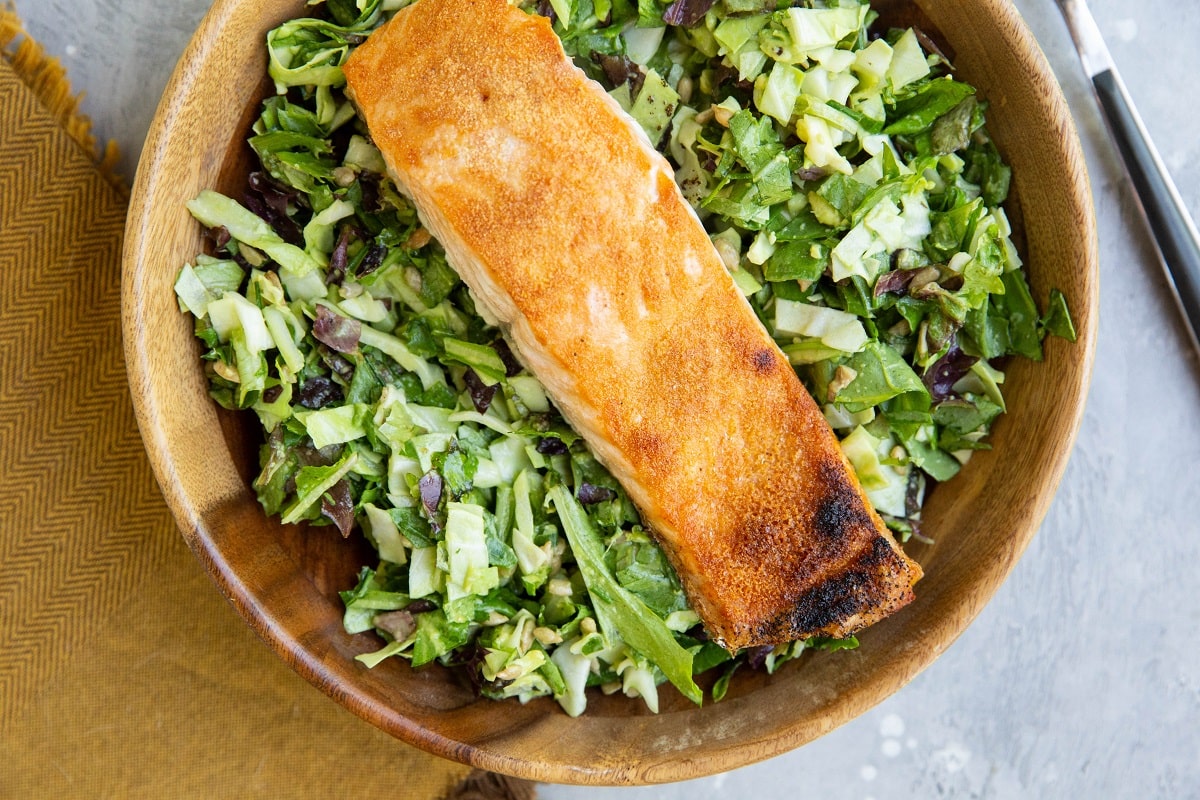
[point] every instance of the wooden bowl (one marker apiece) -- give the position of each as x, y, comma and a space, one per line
284, 581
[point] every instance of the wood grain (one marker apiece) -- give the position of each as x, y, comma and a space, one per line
284, 581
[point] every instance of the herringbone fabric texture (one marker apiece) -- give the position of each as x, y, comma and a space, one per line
69, 458
123, 673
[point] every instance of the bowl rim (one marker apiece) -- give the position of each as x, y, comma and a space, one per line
138, 256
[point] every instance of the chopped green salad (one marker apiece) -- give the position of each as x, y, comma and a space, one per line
847, 181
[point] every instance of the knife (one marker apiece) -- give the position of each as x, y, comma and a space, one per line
1173, 229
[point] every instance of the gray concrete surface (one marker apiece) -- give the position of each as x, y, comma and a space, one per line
1082, 677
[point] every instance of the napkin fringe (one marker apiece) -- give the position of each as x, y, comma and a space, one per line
47, 77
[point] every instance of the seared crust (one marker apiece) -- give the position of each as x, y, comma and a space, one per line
570, 231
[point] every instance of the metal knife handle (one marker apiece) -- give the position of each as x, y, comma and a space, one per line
1173, 229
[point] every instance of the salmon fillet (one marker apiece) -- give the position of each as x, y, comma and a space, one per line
570, 231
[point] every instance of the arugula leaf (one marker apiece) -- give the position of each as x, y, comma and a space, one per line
413, 526
952, 130
988, 329
951, 229
1017, 306
650, 13
844, 193
797, 260
622, 614
1058, 317
642, 568
938, 464
919, 108
438, 278
986, 169
966, 415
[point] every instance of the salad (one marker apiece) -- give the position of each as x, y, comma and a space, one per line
848, 183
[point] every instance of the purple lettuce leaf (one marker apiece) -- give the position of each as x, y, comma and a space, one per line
337, 504
481, 393
686, 12
335, 331
941, 376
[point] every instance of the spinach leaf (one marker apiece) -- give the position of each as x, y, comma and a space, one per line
880, 374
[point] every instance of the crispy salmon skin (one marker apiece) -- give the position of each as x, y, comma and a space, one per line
570, 231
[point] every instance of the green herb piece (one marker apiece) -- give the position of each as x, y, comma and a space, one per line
1058, 317
918, 109
621, 613
880, 374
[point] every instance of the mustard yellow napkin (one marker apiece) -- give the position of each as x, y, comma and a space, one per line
123, 673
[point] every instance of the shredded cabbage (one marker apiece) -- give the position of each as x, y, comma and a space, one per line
850, 186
